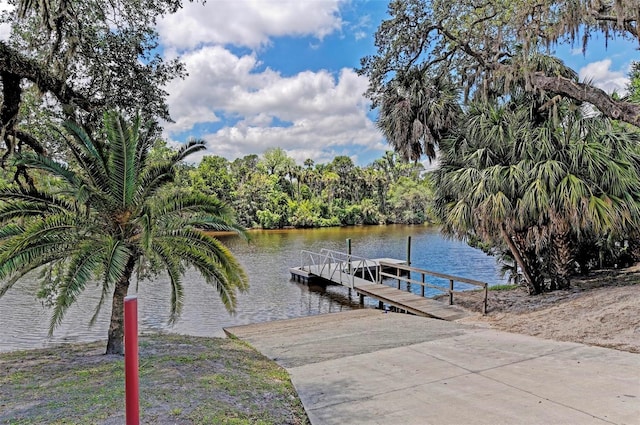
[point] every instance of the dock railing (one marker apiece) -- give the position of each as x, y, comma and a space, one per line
336, 265
406, 277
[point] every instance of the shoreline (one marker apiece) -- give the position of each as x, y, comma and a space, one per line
601, 310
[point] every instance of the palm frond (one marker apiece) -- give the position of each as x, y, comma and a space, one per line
34, 198
172, 266
40, 238
114, 261
11, 230
82, 265
47, 164
212, 248
189, 148
90, 154
22, 263
181, 204
122, 155
152, 178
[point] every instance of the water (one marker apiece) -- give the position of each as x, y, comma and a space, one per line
266, 259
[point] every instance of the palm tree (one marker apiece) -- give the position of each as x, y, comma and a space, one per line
416, 112
537, 181
110, 219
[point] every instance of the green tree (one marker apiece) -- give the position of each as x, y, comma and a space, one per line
212, 177
634, 83
345, 187
109, 218
409, 201
488, 45
537, 181
277, 163
416, 112
77, 59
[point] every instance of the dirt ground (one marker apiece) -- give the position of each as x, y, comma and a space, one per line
602, 309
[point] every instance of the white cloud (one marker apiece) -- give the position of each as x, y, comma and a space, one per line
249, 108
248, 23
362, 28
310, 114
5, 29
601, 75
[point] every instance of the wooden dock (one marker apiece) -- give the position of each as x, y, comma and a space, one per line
411, 303
338, 271
364, 276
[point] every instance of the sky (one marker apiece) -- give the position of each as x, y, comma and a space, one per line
280, 73
265, 74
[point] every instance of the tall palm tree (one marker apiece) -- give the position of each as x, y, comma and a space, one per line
416, 112
109, 219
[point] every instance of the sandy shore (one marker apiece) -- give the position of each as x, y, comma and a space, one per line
602, 309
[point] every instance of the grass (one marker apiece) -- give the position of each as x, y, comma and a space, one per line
503, 287
185, 380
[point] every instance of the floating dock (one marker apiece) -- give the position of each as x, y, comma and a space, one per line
365, 277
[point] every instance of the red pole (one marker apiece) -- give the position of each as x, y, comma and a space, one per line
131, 384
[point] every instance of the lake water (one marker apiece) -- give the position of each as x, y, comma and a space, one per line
272, 295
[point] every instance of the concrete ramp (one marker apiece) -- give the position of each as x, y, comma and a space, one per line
370, 367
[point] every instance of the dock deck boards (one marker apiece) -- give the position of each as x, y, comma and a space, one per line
400, 299
411, 302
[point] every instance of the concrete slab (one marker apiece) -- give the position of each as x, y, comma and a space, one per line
368, 375
486, 349
337, 335
602, 382
368, 367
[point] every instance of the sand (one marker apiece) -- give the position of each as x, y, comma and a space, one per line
602, 309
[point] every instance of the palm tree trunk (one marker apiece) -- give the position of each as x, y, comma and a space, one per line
532, 278
115, 342
562, 257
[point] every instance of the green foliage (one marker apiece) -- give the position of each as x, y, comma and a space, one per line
212, 177
483, 49
76, 60
109, 214
540, 182
274, 192
409, 201
268, 219
634, 83
306, 213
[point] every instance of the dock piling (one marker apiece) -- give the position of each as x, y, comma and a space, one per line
349, 253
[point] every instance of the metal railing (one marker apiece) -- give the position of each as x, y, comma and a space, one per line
407, 278
338, 266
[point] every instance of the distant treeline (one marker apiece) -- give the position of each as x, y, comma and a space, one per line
271, 191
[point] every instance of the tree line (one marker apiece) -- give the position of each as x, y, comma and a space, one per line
271, 191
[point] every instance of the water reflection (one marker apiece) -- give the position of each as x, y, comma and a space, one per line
272, 296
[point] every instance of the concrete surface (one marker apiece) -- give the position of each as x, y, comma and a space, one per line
370, 367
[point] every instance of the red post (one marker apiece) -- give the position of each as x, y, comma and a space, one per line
131, 384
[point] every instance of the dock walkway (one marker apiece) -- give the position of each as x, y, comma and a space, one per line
359, 274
